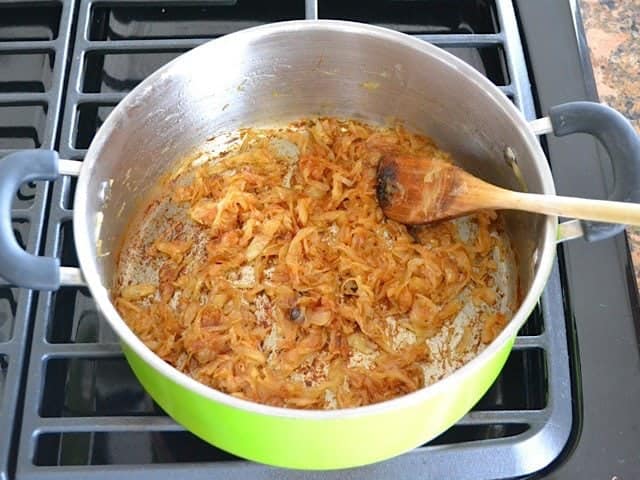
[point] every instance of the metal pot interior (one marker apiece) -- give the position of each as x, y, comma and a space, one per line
281, 72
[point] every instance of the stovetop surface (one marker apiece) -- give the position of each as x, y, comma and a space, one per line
71, 408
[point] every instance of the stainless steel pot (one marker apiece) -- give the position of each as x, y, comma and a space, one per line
272, 74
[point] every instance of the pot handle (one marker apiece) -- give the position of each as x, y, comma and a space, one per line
621, 142
16, 265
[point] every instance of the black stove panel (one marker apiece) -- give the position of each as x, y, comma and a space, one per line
22, 126
419, 17
21, 22
170, 20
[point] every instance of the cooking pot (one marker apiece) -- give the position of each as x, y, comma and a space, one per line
269, 75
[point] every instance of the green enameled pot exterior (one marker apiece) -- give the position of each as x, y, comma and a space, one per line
323, 443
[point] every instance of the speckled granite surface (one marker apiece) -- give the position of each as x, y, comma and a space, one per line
613, 35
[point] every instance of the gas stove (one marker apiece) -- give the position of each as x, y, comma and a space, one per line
70, 408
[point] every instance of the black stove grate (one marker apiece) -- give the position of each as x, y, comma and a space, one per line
34, 40
85, 415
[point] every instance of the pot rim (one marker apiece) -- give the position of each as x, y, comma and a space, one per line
87, 259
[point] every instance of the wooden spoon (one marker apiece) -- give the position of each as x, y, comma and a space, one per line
415, 190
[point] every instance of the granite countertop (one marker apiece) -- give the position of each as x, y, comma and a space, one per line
613, 35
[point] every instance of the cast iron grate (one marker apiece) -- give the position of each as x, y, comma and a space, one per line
85, 414
33, 43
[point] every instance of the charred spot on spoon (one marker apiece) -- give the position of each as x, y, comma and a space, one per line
386, 182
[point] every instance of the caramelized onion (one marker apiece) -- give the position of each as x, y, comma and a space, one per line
270, 273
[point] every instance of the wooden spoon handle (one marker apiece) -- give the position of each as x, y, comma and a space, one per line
581, 208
